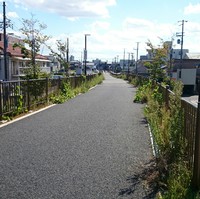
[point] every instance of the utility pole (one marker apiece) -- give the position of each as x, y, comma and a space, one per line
128, 61
5, 41
132, 57
67, 53
124, 60
181, 54
3, 25
136, 69
67, 57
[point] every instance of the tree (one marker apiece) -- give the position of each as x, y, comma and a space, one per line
31, 44
159, 58
62, 54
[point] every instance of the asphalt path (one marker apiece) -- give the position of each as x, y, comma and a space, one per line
94, 146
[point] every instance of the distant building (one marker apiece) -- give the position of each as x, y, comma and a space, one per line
100, 65
127, 65
143, 57
53, 63
176, 53
75, 64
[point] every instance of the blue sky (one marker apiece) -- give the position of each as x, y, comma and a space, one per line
113, 25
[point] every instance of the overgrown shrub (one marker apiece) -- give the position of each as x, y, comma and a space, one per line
166, 123
67, 92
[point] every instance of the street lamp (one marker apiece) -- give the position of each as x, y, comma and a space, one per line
136, 69
85, 52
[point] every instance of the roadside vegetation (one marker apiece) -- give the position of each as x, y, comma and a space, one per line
172, 175
66, 92
166, 124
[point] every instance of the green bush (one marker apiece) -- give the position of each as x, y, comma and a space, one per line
66, 92
167, 128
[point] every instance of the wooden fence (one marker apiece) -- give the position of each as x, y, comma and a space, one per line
191, 132
25, 95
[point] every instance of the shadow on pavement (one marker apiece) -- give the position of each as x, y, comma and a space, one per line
146, 178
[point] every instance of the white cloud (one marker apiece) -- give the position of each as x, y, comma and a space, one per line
110, 43
106, 41
72, 9
133, 23
100, 25
192, 9
12, 15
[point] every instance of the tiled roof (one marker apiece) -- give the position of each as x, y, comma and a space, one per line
16, 52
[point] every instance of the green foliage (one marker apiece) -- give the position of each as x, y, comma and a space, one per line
67, 92
32, 30
141, 95
167, 129
61, 55
33, 73
143, 92
178, 182
6, 118
123, 76
36, 88
159, 58
19, 101
86, 85
136, 81
33, 39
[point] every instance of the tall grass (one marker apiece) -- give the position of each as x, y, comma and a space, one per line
167, 128
67, 92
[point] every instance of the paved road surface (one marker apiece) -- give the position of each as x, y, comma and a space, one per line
91, 147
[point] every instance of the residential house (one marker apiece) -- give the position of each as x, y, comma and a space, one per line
16, 62
187, 70
54, 64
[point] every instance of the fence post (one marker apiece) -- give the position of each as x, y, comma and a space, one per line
28, 94
196, 169
1, 101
